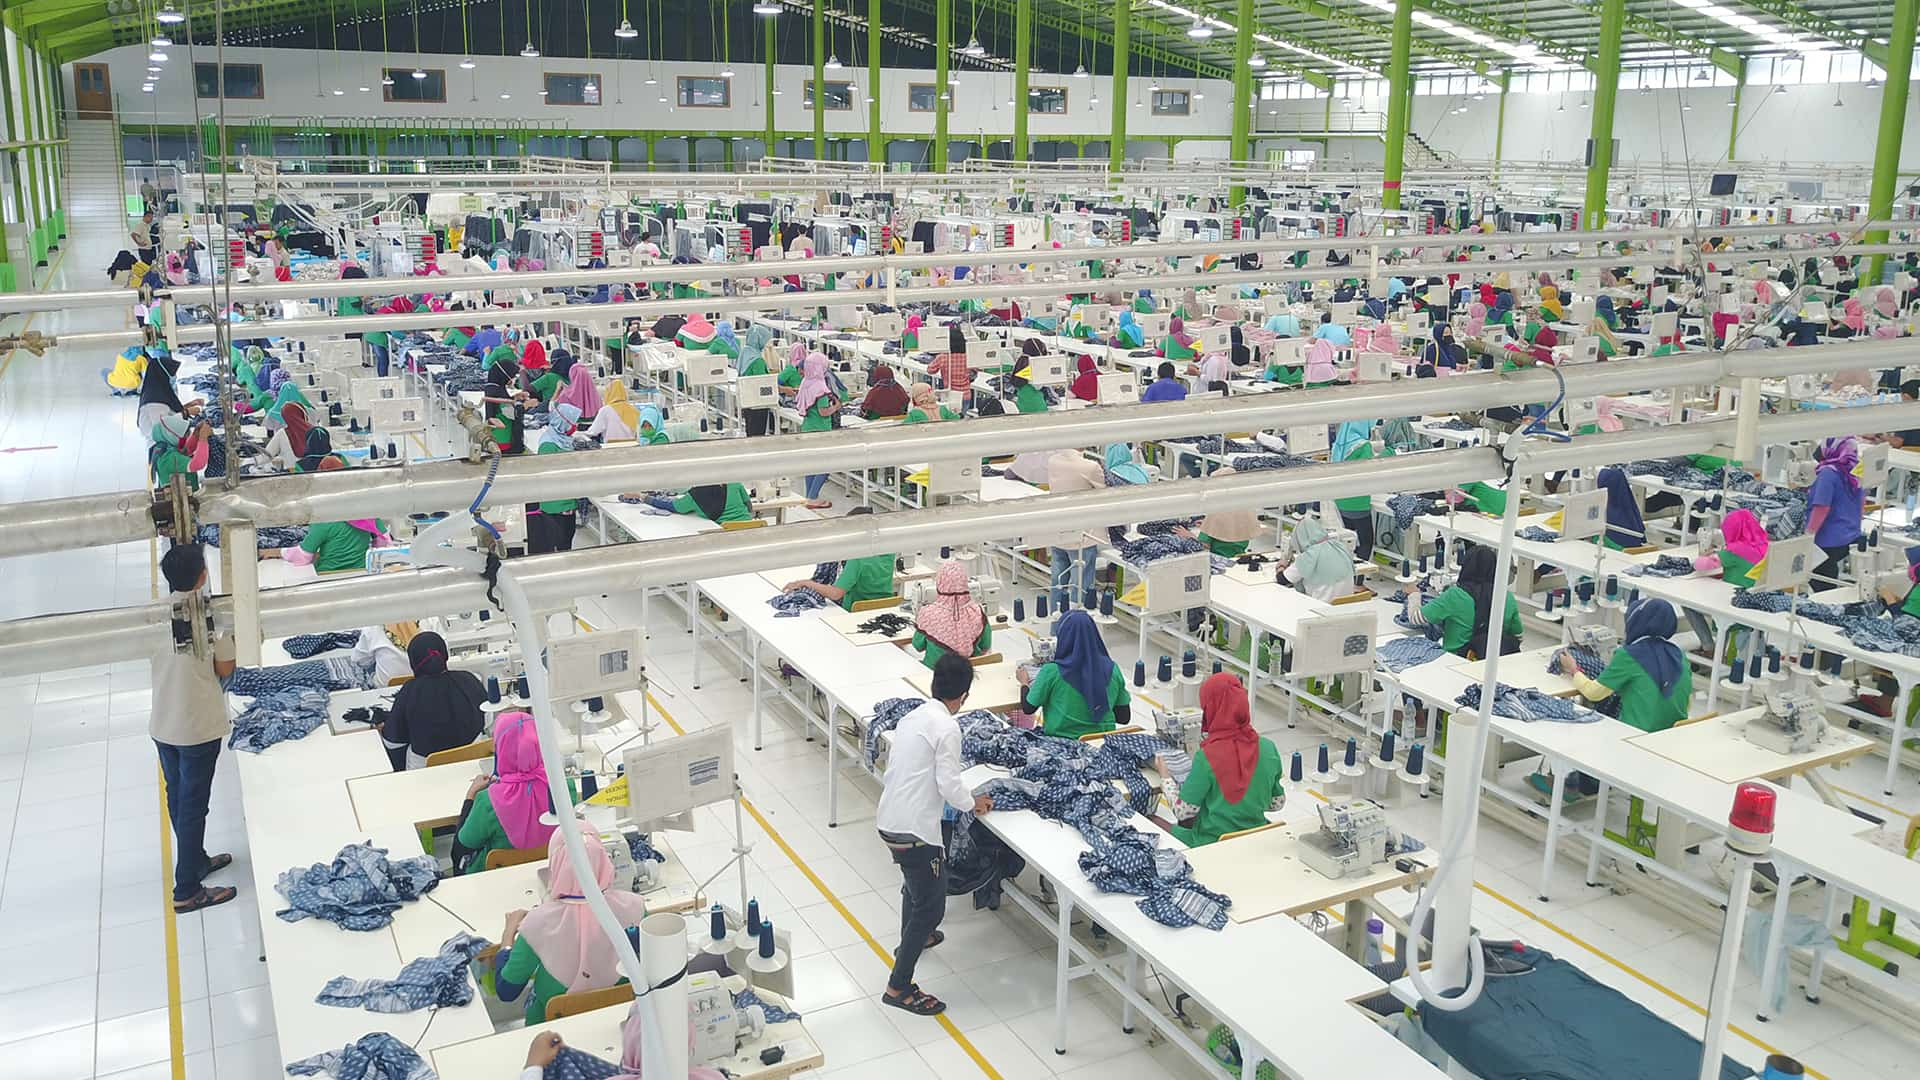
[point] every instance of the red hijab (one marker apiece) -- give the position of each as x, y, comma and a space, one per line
1086, 385
534, 356
297, 427
1229, 741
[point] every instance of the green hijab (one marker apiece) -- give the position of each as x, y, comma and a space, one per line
1322, 561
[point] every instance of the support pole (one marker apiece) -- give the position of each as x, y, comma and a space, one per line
1500, 124
1122, 56
819, 82
1242, 94
876, 142
1022, 61
1613, 18
1733, 123
943, 91
772, 43
1398, 82
1893, 119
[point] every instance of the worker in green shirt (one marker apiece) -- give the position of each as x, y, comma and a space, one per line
1742, 548
179, 447
335, 546
926, 406
551, 522
954, 622
718, 503
1649, 672
819, 410
503, 808
1027, 398
1464, 610
1081, 691
1483, 497
1354, 442
1235, 781
867, 578
558, 947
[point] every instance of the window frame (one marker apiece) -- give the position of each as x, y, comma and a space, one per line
681, 96
935, 107
806, 95
546, 83
1186, 102
396, 74
224, 71
1065, 100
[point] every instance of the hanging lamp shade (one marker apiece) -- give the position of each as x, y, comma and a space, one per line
833, 61
161, 40
1199, 29
529, 51
1080, 71
466, 64
386, 80
766, 7
169, 14
625, 30
974, 48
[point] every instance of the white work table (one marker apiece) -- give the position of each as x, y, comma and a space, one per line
1264, 875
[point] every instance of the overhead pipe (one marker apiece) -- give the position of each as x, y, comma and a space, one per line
552, 582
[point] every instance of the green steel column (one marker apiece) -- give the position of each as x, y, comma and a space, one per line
27, 156
1733, 123
772, 42
1122, 56
1398, 83
942, 46
1606, 77
1242, 93
1893, 118
1022, 60
876, 142
1500, 123
819, 82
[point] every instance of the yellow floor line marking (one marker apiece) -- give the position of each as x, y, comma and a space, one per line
1636, 973
176, 1035
1894, 810
886, 957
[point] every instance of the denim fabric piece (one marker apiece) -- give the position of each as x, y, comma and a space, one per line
1452, 423
269, 536
302, 646
378, 1056
331, 673
1407, 507
1163, 526
1258, 462
1588, 661
1536, 532
640, 846
787, 605
1526, 703
1664, 566
775, 1014
279, 716
1150, 549
1861, 621
1399, 654
425, 982
886, 717
359, 890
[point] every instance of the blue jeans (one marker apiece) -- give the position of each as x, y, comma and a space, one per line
815, 482
189, 774
1063, 573
379, 360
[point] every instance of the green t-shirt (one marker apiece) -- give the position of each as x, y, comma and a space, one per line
525, 968
1706, 462
919, 416
546, 386
1738, 571
171, 463
1641, 703
1217, 816
1452, 612
739, 505
1285, 374
557, 506
932, 650
816, 419
481, 832
1909, 606
1485, 497
1065, 712
457, 339
1171, 348
756, 366
336, 545
1357, 504
1226, 549
789, 376
869, 578
1029, 399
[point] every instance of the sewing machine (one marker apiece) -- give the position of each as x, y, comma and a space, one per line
986, 591
1179, 727
1794, 722
1598, 637
718, 1027
1352, 839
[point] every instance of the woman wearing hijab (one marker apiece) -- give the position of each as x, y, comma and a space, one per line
1236, 776
652, 429
819, 411
1834, 505
1550, 305
503, 810
438, 709
1177, 344
1332, 332
616, 418
319, 455
1228, 533
910, 333
289, 444
718, 503
1216, 372
558, 947
1321, 566
579, 390
178, 448
1354, 442
1626, 527
505, 401
885, 396
1121, 469
333, 547
551, 524
1442, 352
926, 406
1649, 672
1319, 367
1081, 691
1086, 381
1463, 610
953, 622
1285, 324
1128, 334
158, 397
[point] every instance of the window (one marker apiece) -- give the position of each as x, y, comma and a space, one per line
703, 92
921, 98
243, 81
1170, 103
407, 88
1047, 100
839, 96
572, 89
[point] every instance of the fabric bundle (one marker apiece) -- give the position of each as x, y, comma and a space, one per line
328, 673
1861, 621
359, 890
1257, 462
1151, 549
1664, 566
279, 716
1407, 507
302, 646
426, 982
1529, 704
378, 1056
1537, 533
269, 536
1399, 654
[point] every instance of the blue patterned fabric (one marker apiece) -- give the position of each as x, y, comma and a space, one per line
277, 717
1163, 526
378, 1056
1537, 533
1862, 621
1664, 566
359, 890
1259, 462
640, 846
1407, 507
1399, 654
330, 673
426, 982
302, 646
1150, 549
1526, 703
775, 1014
268, 536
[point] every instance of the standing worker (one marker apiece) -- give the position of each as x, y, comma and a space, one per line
188, 724
923, 778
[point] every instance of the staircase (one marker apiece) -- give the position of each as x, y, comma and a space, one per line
94, 175
1419, 152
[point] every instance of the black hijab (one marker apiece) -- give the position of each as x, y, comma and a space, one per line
439, 709
319, 448
1476, 577
156, 382
711, 499
563, 364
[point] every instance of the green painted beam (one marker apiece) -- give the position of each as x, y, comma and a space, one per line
1243, 91
1145, 50
1653, 30
1353, 21
1733, 122
1814, 23
876, 140
1399, 97
1476, 19
943, 91
1893, 121
1606, 88
1279, 60
1022, 65
1122, 58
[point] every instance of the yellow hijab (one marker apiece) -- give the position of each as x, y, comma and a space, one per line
615, 396
1550, 302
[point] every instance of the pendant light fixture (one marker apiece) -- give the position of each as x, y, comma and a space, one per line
386, 79
974, 48
1199, 29
419, 73
625, 31
157, 56
161, 40
466, 64
169, 14
1257, 60
1686, 106
1080, 71
833, 61
529, 51
766, 7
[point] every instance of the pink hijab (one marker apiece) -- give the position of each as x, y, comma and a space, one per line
562, 930
813, 382
1886, 303
1603, 415
1320, 361
519, 792
1476, 319
580, 391
953, 619
1854, 315
1745, 536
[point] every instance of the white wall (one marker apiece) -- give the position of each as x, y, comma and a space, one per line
299, 83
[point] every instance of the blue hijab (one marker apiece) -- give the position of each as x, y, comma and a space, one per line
486, 339
1603, 307
1122, 470
1286, 325
1352, 434
1625, 526
1334, 332
1443, 351
1083, 661
1649, 624
1377, 307
1129, 333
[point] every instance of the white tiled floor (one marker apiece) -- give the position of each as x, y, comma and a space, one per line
86, 990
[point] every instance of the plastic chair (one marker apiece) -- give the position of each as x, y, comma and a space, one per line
736, 526
561, 1006
503, 857
1249, 832
876, 605
470, 752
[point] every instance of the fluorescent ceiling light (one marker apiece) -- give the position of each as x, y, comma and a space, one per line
161, 41
1257, 60
766, 7
169, 14
157, 57
833, 61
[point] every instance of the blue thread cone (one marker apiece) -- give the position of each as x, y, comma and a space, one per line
1323, 760
1296, 772
1353, 752
1139, 673
1416, 759
1386, 746
1166, 668
766, 939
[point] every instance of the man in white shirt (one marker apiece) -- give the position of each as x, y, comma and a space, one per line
923, 779
188, 723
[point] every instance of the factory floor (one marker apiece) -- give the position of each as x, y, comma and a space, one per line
91, 989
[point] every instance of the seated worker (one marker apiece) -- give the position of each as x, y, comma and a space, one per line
885, 396
1626, 526
1080, 691
718, 503
1236, 776
179, 447
954, 622
1177, 344
1649, 672
1128, 335
319, 455
334, 546
1462, 612
1227, 533
1027, 398
558, 947
617, 418
867, 578
1353, 441
503, 811
1166, 386
1332, 332
1320, 566
288, 445
927, 407
438, 709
